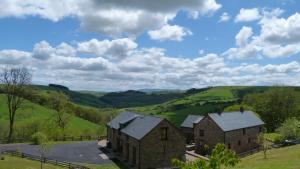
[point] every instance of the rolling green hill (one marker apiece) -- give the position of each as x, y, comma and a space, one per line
32, 117
211, 100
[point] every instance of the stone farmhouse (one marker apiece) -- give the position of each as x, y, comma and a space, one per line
187, 127
145, 142
237, 130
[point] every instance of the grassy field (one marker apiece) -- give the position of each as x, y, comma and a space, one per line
19, 163
31, 112
283, 158
177, 110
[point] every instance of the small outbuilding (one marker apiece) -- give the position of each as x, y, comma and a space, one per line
187, 127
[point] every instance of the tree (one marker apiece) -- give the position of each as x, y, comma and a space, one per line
274, 105
59, 102
14, 83
290, 129
41, 140
220, 156
263, 143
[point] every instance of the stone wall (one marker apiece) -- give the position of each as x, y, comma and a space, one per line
212, 135
188, 134
157, 153
241, 142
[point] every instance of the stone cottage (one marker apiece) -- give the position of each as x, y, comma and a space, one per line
187, 127
237, 130
145, 141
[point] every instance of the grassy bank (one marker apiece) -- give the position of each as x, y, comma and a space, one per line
282, 158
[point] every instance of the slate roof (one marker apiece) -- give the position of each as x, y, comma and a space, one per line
121, 118
190, 120
141, 126
138, 125
236, 120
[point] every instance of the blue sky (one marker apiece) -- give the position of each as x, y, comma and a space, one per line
100, 45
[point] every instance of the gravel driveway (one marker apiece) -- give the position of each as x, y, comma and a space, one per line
78, 152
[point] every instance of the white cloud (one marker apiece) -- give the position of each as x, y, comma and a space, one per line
113, 18
142, 68
243, 36
278, 37
118, 48
168, 32
248, 15
224, 17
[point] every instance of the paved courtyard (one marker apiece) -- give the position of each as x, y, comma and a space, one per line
76, 152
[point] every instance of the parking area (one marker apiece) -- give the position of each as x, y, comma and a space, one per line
76, 152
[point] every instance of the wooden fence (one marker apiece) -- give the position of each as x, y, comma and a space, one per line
63, 138
44, 159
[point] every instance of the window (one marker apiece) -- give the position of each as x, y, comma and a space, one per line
260, 129
244, 131
201, 133
229, 146
249, 140
239, 142
164, 133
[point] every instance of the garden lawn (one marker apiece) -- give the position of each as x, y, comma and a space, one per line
282, 158
19, 163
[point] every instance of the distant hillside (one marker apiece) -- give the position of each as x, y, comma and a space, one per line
133, 98
82, 98
200, 103
130, 98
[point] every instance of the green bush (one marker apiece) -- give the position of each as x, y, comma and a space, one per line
39, 138
2, 157
290, 129
278, 139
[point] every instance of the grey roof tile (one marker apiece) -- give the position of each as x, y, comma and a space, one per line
228, 121
121, 118
137, 125
141, 126
190, 120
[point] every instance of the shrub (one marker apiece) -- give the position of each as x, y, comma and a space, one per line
39, 138
2, 157
290, 129
278, 139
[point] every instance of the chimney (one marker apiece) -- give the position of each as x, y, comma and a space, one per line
242, 109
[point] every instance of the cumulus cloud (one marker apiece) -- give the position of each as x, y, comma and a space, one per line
168, 32
113, 18
118, 48
243, 36
248, 15
278, 37
142, 68
224, 17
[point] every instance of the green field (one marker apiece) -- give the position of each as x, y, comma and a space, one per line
31, 113
198, 104
19, 163
282, 158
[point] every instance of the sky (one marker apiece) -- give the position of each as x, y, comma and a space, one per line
140, 44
